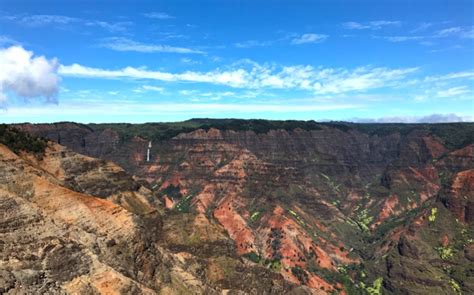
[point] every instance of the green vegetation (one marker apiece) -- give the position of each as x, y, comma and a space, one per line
275, 265
255, 216
300, 274
432, 216
184, 206
445, 252
164, 131
376, 288
455, 286
252, 256
363, 220
297, 217
17, 140
454, 135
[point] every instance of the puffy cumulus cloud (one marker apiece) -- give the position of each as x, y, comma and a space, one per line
26, 75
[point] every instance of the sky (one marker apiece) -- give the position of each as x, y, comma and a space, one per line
150, 61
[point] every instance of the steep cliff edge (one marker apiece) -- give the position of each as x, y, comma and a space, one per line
341, 208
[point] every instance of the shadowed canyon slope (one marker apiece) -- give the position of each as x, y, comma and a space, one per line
250, 206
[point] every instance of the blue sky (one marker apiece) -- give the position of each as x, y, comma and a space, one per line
143, 61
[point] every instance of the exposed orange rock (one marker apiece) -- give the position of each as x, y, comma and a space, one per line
388, 209
235, 225
461, 196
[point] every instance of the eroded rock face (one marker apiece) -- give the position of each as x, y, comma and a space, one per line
74, 224
460, 199
322, 208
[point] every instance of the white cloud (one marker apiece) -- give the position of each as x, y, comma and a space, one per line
45, 19
466, 33
153, 88
373, 25
26, 75
4, 40
421, 27
158, 15
40, 20
309, 38
319, 80
217, 95
398, 39
189, 61
449, 32
451, 76
454, 91
111, 27
253, 43
433, 118
124, 44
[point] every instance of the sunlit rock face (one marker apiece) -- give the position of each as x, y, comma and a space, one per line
338, 209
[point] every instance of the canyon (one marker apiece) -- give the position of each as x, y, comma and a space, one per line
237, 207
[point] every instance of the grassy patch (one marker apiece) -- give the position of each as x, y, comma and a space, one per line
256, 215
455, 286
184, 206
376, 288
445, 252
363, 220
432, 216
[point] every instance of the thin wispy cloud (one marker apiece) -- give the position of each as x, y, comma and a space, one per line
153, 88
430, 39
158, 15
317, 80
468, 75
398, 39
253, 43
209, 95
309, 38
454, 92
5, 40
373, 25
41, 20
291, 38
189, 61
124, 44
45, 19
460, 32
421, 27
111, 27
433, 118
